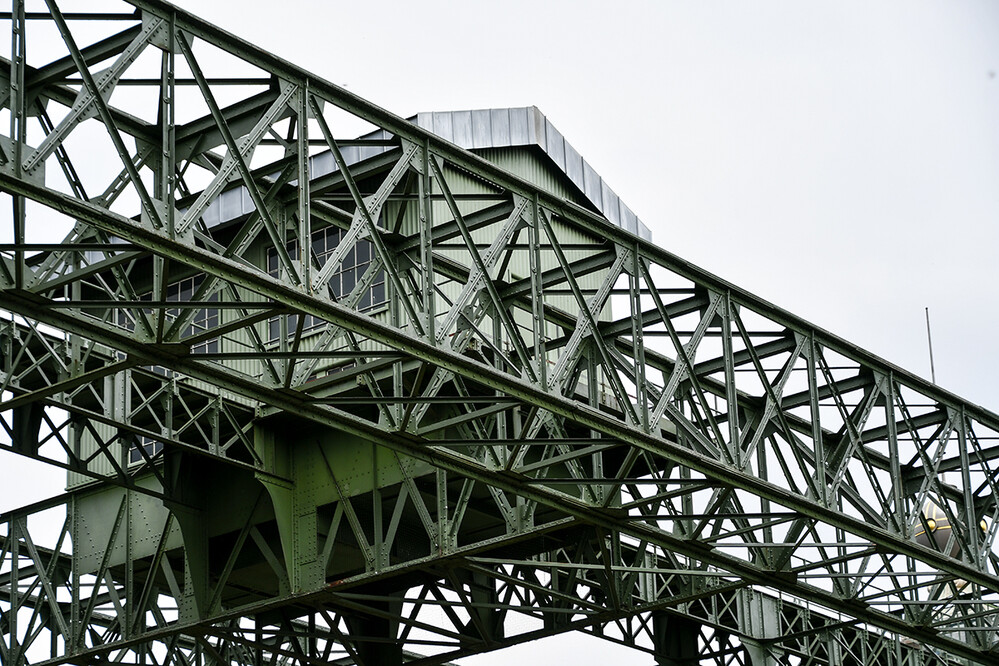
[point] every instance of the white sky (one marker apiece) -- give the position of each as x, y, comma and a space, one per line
839, 159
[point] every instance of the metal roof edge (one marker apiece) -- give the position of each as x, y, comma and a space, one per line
474, 129
528, 126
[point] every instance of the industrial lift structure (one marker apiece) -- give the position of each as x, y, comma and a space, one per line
422, 390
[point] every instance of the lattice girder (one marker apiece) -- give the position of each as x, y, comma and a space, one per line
475, 325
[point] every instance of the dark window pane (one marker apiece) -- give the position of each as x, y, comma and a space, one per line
148, 446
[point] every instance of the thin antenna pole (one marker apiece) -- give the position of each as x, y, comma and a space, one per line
929, 341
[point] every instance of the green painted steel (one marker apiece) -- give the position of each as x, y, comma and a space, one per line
383, 400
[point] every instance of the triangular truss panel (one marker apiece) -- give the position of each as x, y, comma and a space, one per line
328, 388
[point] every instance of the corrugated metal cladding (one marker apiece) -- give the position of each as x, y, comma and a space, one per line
474, 130
526, 126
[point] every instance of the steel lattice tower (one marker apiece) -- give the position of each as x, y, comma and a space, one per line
377, 399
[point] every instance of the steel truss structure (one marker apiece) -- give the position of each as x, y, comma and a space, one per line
609, 441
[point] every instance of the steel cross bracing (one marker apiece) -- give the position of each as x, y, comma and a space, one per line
566, 427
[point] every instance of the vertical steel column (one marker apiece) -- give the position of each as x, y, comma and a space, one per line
425, 189
485, 616
18, 131
731, 394
638, 340
167, 178
821, 484
537, 293
675, 640
375, 636
13, 541
304, 189
76, 625
759, 618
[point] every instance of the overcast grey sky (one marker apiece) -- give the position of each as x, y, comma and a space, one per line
839, 159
